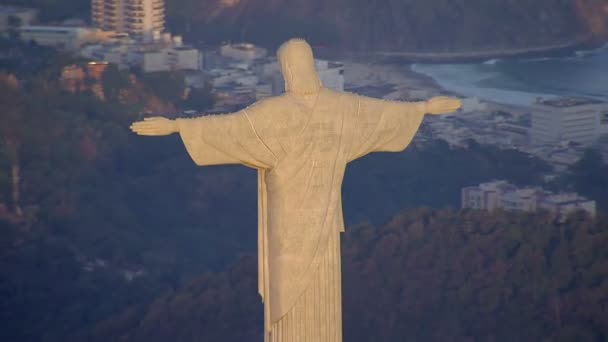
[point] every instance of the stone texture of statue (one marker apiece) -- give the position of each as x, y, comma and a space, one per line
300, 143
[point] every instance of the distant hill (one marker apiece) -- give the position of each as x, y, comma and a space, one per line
397, 25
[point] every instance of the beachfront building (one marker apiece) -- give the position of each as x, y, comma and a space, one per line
242, 52
561, 120
331, 74
502, 195
169, 58
136, 17
11, 16
162, 53
61, 37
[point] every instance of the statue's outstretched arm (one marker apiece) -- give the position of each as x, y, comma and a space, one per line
217, 139
441, 105
155, 126
389, 126
437, 105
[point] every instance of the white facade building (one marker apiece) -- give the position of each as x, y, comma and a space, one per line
486, 195
62, 37
566, 203
568, 119
168, 59
136, 17
331, 74
164, 54
243, 52
502, 195
185, 58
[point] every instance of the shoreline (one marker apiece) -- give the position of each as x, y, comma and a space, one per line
400, 76
587, 42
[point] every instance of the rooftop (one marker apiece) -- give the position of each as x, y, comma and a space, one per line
566, 102
62, 29
8, 10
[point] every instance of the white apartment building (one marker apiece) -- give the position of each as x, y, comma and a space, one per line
136, 17
243, 52
568, 119
164, 53
61, 37
503, 195
169, 58
486, 195
565, 203
331, 74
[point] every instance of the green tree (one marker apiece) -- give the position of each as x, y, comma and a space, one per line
589, 177
167, 85
113, 81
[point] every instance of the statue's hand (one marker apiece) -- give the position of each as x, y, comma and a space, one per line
442, 105
155, 126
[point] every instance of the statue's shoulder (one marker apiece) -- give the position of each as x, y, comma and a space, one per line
343, 95
268, 103
270, 110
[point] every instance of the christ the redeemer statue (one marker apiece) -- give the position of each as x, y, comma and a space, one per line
300, 143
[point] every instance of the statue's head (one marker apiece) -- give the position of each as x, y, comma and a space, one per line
298, 67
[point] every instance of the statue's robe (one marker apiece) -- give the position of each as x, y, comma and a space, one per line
301, 154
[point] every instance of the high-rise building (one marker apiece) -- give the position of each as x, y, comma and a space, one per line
136, 17
568, 119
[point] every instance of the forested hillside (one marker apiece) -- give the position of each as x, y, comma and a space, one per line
439, 26
394, 25
424, 276
107, 235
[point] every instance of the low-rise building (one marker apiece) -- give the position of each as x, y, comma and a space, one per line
486, 195
566, 203
331, 74
64, 37
579, 120
77, 79
163, 54
243, 52
503, 195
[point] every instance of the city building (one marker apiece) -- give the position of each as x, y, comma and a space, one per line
162, 53
61, 37
568, 119
502, 195
331, 74
243, 52
565, 203
16, 16
486, 195
171, 58
136, 17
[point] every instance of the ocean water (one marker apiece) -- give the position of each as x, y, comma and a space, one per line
519, 81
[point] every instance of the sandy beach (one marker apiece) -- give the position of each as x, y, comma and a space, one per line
406, 83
